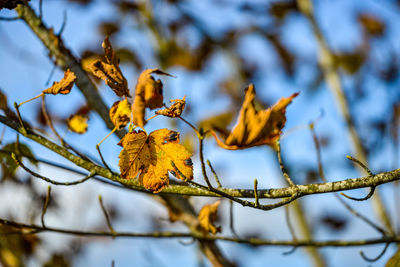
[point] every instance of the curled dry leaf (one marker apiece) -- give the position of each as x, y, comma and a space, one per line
148, 94
120, 113
109, 70
253, 127
152, 156
175, 110
207, 217
78, 123
64, 86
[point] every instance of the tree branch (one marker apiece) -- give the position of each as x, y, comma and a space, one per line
250, 241
302, 190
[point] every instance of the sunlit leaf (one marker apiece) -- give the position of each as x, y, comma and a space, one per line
257, 127
207, 217
109, 70
120, 113
64, 86
175, 110
77, 123
152, 156
148, 94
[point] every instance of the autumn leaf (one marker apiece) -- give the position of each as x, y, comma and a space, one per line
62, 87
175, 110
148, 94
394, 260
109, 70
373, 25
207, 217
120, 113
152, 156
78, 123
253, 127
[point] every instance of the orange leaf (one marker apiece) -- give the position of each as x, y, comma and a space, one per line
109, 70
120, 113
78, 123
207, 217
148, 94
175, 110
253, 127
151, 157
64, 86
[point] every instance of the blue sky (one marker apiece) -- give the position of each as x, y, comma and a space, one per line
25, 67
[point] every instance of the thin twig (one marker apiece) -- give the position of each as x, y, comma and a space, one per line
191, 126
16, 106
362, 165
291, 230
377, 257
64, 23
51, 73
9, 18
93, 173
102, 159
106, 215
370, 194
45, 205
244, 203
323, 178
231, 223
40, 9
256, 201
287, 178
251, 241
203, 166
215, 174
48, 120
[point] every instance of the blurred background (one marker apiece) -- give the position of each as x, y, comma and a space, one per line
215, 48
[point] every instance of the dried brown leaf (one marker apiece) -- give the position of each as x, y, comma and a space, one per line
175, 110
120, 113
151, 157
148, 94
64, 86
207, 217
253, 127
373, 25
109, 70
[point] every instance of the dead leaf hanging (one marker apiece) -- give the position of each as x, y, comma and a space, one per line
120, 113
64, 86
148, 94
152, 156
207, 217
253, 127
175, 110
109, 70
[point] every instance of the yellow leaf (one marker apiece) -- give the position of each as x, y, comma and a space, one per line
253, 127
148, 94
109, 70
120, 113
207, 217
64, 86
394, 260
151, 157
175, 110
78, 123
